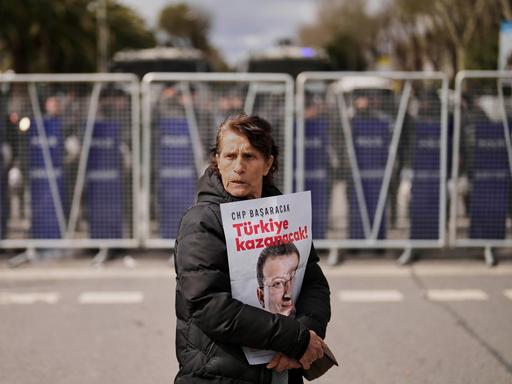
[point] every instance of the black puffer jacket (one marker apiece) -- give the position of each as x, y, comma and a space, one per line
212, 326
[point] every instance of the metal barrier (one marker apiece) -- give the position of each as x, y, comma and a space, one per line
70, 161
372, 148
181, 113
480, 214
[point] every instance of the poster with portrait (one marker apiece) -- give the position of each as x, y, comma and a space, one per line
268, 242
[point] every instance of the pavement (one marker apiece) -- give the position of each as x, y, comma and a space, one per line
443, 319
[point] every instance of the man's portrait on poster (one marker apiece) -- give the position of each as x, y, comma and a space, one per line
275, 270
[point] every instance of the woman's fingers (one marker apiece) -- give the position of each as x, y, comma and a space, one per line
282, 362
275, 360
314, 351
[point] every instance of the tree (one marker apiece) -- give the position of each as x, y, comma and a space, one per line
451, 34
446, 35
182, 22
127, 29
506, 9
345, 53
31, 32
347, 32
189, 26
60, 35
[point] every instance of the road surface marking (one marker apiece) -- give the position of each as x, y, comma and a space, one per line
110, 298
391, 270
29, 297
370, 296
86, 273
455, 294
165, 271
508, 293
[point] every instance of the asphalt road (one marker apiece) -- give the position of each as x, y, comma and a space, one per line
436, 322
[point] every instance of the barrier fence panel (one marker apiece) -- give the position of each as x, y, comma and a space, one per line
372, 148
181, 113
482, 160
69, 161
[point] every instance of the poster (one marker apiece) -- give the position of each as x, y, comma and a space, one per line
268, 242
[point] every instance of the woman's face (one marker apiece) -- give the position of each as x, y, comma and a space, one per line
241, 166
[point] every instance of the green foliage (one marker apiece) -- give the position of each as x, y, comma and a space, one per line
482, 50
60, 35
347, 32
127, 29
36, 39
345, 53
181, 21
189, 26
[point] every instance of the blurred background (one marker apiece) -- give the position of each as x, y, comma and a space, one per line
395, 114
74, 36
391, 112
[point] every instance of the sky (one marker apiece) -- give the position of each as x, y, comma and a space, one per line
240, 27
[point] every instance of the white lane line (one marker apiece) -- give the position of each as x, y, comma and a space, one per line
29, 297
508, 293
111, 298
388, 270
86, 273
164, 271
456, 294
370, 296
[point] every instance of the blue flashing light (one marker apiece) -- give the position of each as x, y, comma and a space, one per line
307, 52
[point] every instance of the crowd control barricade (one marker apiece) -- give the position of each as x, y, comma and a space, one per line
480, 214
70, 161
372, 148
181, 113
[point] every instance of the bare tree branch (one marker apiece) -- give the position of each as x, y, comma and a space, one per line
443, 11
505, 8
471, 24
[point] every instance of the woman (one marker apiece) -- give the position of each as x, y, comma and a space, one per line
212, 326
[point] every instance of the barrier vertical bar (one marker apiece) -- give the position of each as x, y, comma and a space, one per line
444, 164
397, 131
197, 148
347, 131
84, 157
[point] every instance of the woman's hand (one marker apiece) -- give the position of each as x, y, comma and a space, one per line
282, 362
315, 350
